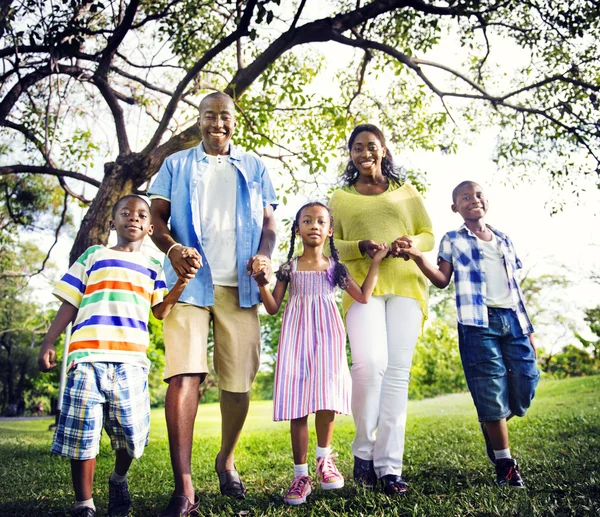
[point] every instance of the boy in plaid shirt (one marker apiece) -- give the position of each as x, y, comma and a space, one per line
107, 294
495, 334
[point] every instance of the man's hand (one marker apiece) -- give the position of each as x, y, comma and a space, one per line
259, 266
369, 247
186, 261
47, 358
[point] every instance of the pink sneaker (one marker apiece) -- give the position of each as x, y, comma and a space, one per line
328, 473
299, 490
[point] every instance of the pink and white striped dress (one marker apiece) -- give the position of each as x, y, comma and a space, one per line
312, 369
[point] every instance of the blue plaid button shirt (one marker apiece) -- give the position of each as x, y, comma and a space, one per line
461, 248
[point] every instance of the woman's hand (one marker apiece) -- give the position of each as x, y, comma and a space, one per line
369, 247
400, 244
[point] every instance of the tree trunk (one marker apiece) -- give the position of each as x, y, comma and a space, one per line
121, 177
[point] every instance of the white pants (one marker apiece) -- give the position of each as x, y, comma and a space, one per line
383, 334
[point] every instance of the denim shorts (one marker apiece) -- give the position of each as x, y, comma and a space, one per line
109, 395
500, 366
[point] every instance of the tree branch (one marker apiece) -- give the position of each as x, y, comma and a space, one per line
242, 30
116, 39
37, 169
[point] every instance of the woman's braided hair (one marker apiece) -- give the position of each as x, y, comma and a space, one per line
340, 273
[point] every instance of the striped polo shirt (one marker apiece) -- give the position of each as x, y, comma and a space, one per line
113, 292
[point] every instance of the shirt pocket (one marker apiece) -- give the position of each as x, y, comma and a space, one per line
255, 192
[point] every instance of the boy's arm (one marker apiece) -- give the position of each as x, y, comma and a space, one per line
160, 310
47, 357
272, 301
363, 293
439, 276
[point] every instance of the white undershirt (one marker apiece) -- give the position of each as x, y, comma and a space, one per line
497, 291
217, 194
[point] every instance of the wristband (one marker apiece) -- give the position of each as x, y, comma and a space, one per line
169, 250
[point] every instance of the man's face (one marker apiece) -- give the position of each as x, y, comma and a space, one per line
217, 122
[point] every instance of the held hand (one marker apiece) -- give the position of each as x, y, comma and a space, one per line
400, 244
532, 341
381, 253
186, 261
47, 358
369, 247
259, 266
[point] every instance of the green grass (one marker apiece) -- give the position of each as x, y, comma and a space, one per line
557, 444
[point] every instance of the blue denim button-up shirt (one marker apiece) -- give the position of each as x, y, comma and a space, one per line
461, 248
177, 181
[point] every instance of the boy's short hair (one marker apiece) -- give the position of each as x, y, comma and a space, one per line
121, 199
461, 185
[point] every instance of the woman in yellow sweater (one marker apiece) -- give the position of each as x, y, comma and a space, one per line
374, 206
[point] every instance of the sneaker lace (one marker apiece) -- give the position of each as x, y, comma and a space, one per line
326, 466
297, 486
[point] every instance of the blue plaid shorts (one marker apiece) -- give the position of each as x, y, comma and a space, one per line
109, 395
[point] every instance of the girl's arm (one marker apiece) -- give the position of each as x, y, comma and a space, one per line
160, 310
439, 276
272, 301
363, 293
47, 357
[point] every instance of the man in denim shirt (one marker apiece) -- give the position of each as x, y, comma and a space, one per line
494, 332
220, 203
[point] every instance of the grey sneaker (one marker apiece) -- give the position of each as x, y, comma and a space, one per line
119, 500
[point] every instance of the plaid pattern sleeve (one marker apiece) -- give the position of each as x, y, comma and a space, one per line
462, 250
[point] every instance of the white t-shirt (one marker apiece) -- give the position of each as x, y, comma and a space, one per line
217, 193
497, 291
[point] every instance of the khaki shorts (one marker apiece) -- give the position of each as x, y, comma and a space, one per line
236, 334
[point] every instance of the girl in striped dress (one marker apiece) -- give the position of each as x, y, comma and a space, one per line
312, 371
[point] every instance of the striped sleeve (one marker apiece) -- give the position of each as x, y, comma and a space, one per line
71, 286
160, 285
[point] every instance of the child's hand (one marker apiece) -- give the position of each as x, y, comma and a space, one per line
411, 253
369, 247
399, 245
532, 341
47, 357
259, 266
383, 251
186, 261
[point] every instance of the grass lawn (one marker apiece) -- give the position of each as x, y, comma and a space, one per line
557, 444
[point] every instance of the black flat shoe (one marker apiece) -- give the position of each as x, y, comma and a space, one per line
393, 484
230, 483
364, 472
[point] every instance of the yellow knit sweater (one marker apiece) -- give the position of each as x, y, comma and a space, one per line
382, 218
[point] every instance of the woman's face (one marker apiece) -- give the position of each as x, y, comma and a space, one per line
366, 154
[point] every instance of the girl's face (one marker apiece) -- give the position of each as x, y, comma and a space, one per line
314, 225
366, 154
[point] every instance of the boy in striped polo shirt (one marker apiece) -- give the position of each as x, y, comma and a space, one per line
107, 294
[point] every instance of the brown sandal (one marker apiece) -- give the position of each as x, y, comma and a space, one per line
230, 483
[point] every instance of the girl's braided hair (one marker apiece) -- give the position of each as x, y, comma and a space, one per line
350, 174
340, 273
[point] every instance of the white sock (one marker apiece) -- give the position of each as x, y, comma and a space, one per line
89, 503
323, 451
115, 478
301, 470
502, 454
